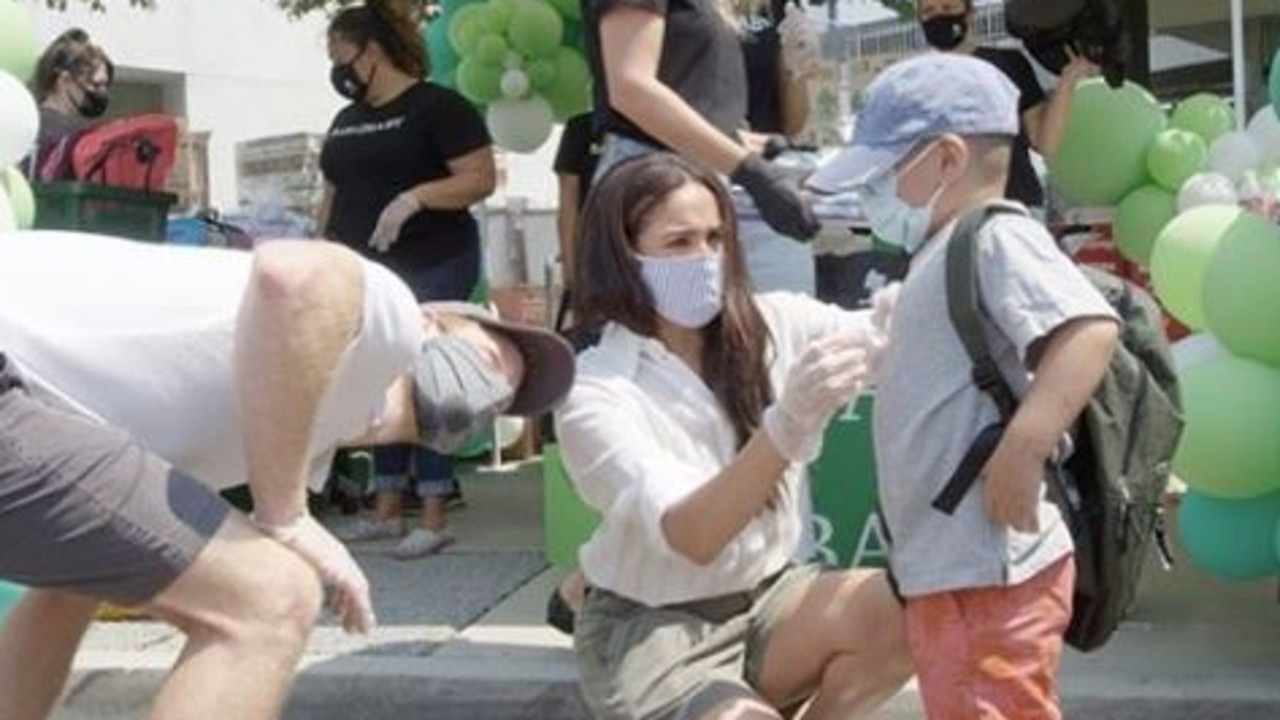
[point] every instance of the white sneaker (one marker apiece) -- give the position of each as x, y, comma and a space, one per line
420, 543
366, 530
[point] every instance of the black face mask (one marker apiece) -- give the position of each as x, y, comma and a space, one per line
92, 103
945, 32
347, 83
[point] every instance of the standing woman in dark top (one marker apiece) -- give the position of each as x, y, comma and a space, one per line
403, 163
948, 26
669, 74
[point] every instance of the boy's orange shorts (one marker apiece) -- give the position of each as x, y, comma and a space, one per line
993, 653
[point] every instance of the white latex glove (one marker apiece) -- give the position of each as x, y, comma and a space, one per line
393, 217
822, 381
346, 584
882, 304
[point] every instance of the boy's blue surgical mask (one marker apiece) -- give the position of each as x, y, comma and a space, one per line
893, 219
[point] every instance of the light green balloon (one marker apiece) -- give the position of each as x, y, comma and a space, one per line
500, 14
1242, 290
542, 73
22, 201
18, 51
571, 92
1176, 155
1204, 114
1103, 153
1229, 445
466, 27
490, 49
1139, 218
1180, 258
8, 223
536, 29
1230, 539
479, 82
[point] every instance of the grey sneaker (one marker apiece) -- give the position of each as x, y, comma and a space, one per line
420, 543
366, 530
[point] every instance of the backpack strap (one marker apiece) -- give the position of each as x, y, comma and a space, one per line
964, 306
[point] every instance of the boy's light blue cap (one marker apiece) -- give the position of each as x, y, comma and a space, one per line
918, 99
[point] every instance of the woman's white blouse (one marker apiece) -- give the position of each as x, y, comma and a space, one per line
640, 431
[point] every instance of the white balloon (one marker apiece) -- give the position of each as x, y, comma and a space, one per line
514, 84
519, 125
1206, 189
1233, 153
19, 120
1264, 128
1195, 349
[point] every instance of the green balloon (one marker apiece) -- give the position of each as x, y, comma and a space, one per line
22, 201
1180, 258
571, 93
542, 74
1230, 539
568, 9
10, 594
1204, 114
1103, 154
18, 51
442, 59
465, 28
490, 49
479, 82
1139, 218
536, 29
1176, 155
500, 14
1228, 447
1242, 289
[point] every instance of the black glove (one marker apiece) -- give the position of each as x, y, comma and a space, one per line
777, 197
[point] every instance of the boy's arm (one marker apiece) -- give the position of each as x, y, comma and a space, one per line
1071, 363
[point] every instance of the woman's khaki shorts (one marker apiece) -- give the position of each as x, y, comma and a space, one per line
84, 508
679, 661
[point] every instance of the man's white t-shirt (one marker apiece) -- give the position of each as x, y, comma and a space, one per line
141, 336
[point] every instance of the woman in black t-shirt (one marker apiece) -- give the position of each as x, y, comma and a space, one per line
948, 26
669, 74
403, 163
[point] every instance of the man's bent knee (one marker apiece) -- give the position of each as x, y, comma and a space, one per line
248, 587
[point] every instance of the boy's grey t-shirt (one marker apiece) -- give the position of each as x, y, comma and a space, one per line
928, 409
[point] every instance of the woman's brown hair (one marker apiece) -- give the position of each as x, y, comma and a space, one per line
390, 23
72, 53
609, 287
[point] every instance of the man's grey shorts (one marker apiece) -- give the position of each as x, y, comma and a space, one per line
678, 662
84, 508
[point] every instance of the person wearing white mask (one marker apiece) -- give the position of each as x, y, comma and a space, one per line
987, 581
688, 429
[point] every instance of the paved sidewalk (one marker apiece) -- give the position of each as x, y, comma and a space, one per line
462, 638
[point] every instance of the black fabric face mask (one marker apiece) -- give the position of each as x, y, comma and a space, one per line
347, 83
945, 32
92, 103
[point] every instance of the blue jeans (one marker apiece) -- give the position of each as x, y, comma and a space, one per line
452, 279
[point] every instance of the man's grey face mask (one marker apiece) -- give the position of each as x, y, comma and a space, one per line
457, 393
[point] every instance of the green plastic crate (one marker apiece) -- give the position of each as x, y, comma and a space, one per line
102, 209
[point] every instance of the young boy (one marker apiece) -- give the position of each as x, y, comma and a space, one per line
987, 589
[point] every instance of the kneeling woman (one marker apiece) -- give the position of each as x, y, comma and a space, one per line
688, 430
